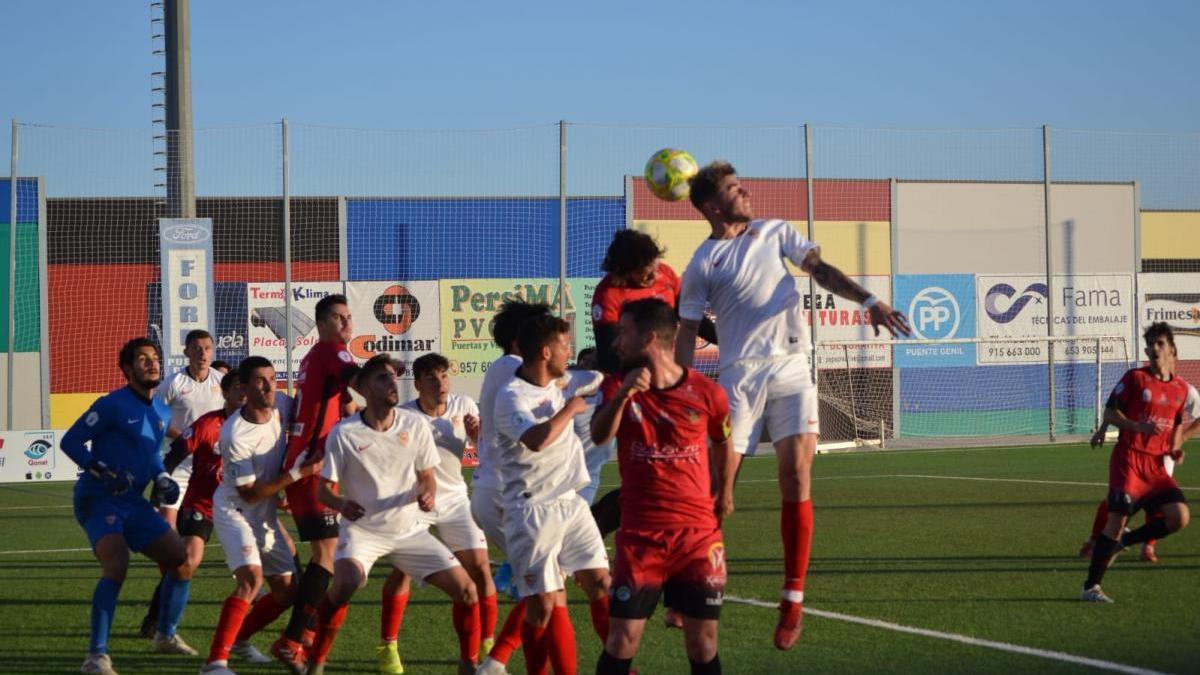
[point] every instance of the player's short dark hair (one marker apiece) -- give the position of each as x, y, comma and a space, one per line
585, 352
325, 305
245, 369
374, 365
1157, 330
704, 185
630, 251
653, 315
429, 363
539, 331
508, 321
198, 334
219, 364
130, 349
231, 378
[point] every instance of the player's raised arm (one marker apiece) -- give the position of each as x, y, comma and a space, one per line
693, 297
607, 417
836, 281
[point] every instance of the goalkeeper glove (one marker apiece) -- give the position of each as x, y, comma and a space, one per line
165, 490
115, 483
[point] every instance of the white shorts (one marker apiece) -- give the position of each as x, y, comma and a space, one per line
181, 475
549, 540
418, 553
456, 527
488, 512
253, 541
778, 392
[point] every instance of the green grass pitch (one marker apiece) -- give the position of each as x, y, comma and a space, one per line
903, 537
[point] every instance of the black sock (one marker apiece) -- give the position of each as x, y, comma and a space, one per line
611, 665
711, 668
313, 584
152, 614
296, 561
1103, 551
1155, 529
607, 512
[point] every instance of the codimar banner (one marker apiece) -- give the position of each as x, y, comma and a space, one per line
1174, 299
469, 305
394, 317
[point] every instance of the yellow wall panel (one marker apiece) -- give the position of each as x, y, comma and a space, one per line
1174, 234
66, 408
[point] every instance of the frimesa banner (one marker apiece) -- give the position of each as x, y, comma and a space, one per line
1175, 300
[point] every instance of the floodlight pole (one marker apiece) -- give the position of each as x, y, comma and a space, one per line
181, 171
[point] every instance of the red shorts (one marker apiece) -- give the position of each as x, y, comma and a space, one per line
313, 519
687, 565
1138, 480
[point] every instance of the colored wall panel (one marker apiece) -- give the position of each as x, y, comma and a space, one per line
1171, 234
1001, 388
787, 198
28, 311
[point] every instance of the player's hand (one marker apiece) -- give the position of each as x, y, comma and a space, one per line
115, 483
1097, 438
312, 468
1149, 428
1177, 455
576, 405
724, 505
893, 320
352, 510
425, 500
165, 490
637, 380
471, 425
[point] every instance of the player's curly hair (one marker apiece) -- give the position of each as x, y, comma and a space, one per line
629, 252
508, 321
538, 331
130, 349
705, 183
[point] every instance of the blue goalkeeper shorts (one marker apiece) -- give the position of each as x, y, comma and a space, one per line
129, 515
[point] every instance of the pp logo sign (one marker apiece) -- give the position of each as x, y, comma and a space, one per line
935, 314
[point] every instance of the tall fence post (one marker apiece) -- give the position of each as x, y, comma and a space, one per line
43, 301
808, 184
287, 257
562, 223
1099, 387
12, 275
1049, 277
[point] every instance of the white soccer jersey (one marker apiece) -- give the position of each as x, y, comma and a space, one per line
378, 469
487, 474
530, 477
1191, 407
450, 437
250, 453
755, 298
189, 399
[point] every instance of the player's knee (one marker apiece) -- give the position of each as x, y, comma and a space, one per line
701, 644
248, 586
622, 640
1177, 516
538, 609
467, 593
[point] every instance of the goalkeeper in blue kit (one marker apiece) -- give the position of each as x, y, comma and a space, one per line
126, 429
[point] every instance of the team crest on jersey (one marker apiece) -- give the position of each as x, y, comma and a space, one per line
692, 414
92, 418
345, 356
1147, 396
187, 433
402, 437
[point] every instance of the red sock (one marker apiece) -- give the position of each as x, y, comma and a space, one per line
1101, 519
466, 624
265, 610
561, 636
393, 616
509, 639
329, 621
796, 526
537, 648
488, 612
599, 609
233, 611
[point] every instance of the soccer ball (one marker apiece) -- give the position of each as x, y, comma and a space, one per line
669, 173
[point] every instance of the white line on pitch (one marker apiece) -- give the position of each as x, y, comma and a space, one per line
34, 508
1014, 480
67, 550
962, 639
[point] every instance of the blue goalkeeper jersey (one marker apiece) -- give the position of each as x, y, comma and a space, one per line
126, 432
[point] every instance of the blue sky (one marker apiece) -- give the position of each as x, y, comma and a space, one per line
483, 65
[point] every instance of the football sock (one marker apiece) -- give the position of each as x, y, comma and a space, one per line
233, 612
313, 584
1104, 550
329, 620
561, 641
393, 616
104, 606
265, 610
155, 601
599, 610
466, 624
173, 601
711, 668
796, 527
1155, 529
537, 648
611, 665
1101, 518
607, 512
489, 610
509, 639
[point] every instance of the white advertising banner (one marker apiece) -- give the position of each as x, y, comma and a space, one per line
840, 319
1174, 299
1084, 305
400, 318
186, 260
267, 325
32, 456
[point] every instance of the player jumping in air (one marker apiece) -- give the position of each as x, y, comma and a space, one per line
663, 416
1146, 406
740, 272
384, 462
126, 430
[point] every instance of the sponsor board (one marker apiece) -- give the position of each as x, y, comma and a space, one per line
398, 318
28, 456
1084, 305
267, 320
840, 319
939, 307
185, 259
229, 329
1175, 300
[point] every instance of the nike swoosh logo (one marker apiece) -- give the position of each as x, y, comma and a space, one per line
134, 421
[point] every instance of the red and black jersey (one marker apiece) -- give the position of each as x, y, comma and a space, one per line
662, 452
607, 299
322, 381
1142, 397
200, 441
